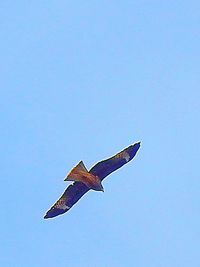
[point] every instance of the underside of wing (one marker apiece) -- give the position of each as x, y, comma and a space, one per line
71, 195
105, 167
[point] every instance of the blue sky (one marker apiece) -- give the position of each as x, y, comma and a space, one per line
81, 80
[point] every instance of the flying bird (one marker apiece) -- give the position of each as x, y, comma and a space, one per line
84, 180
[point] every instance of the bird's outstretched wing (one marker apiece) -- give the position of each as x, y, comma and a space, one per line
105, 167
102, 169
71, 195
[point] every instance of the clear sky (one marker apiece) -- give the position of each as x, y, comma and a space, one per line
81, 80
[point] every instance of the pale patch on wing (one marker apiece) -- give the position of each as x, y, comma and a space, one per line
123, 155
64, 207
126, 156
61, 205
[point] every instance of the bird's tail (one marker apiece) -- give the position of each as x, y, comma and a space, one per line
77, 172
80, 174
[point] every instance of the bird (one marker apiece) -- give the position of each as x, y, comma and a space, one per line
84, 180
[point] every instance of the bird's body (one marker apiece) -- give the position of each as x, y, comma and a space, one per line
84, 180
80, 174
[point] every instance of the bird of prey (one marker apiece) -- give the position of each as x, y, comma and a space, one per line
84, 180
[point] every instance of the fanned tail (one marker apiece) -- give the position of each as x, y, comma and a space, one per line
77, 172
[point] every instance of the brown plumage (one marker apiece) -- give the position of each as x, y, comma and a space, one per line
80, 174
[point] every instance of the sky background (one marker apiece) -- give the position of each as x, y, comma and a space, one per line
81, 80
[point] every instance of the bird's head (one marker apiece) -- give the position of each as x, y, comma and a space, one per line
100, 188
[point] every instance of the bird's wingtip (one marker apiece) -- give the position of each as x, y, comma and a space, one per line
45, 216
137, 144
